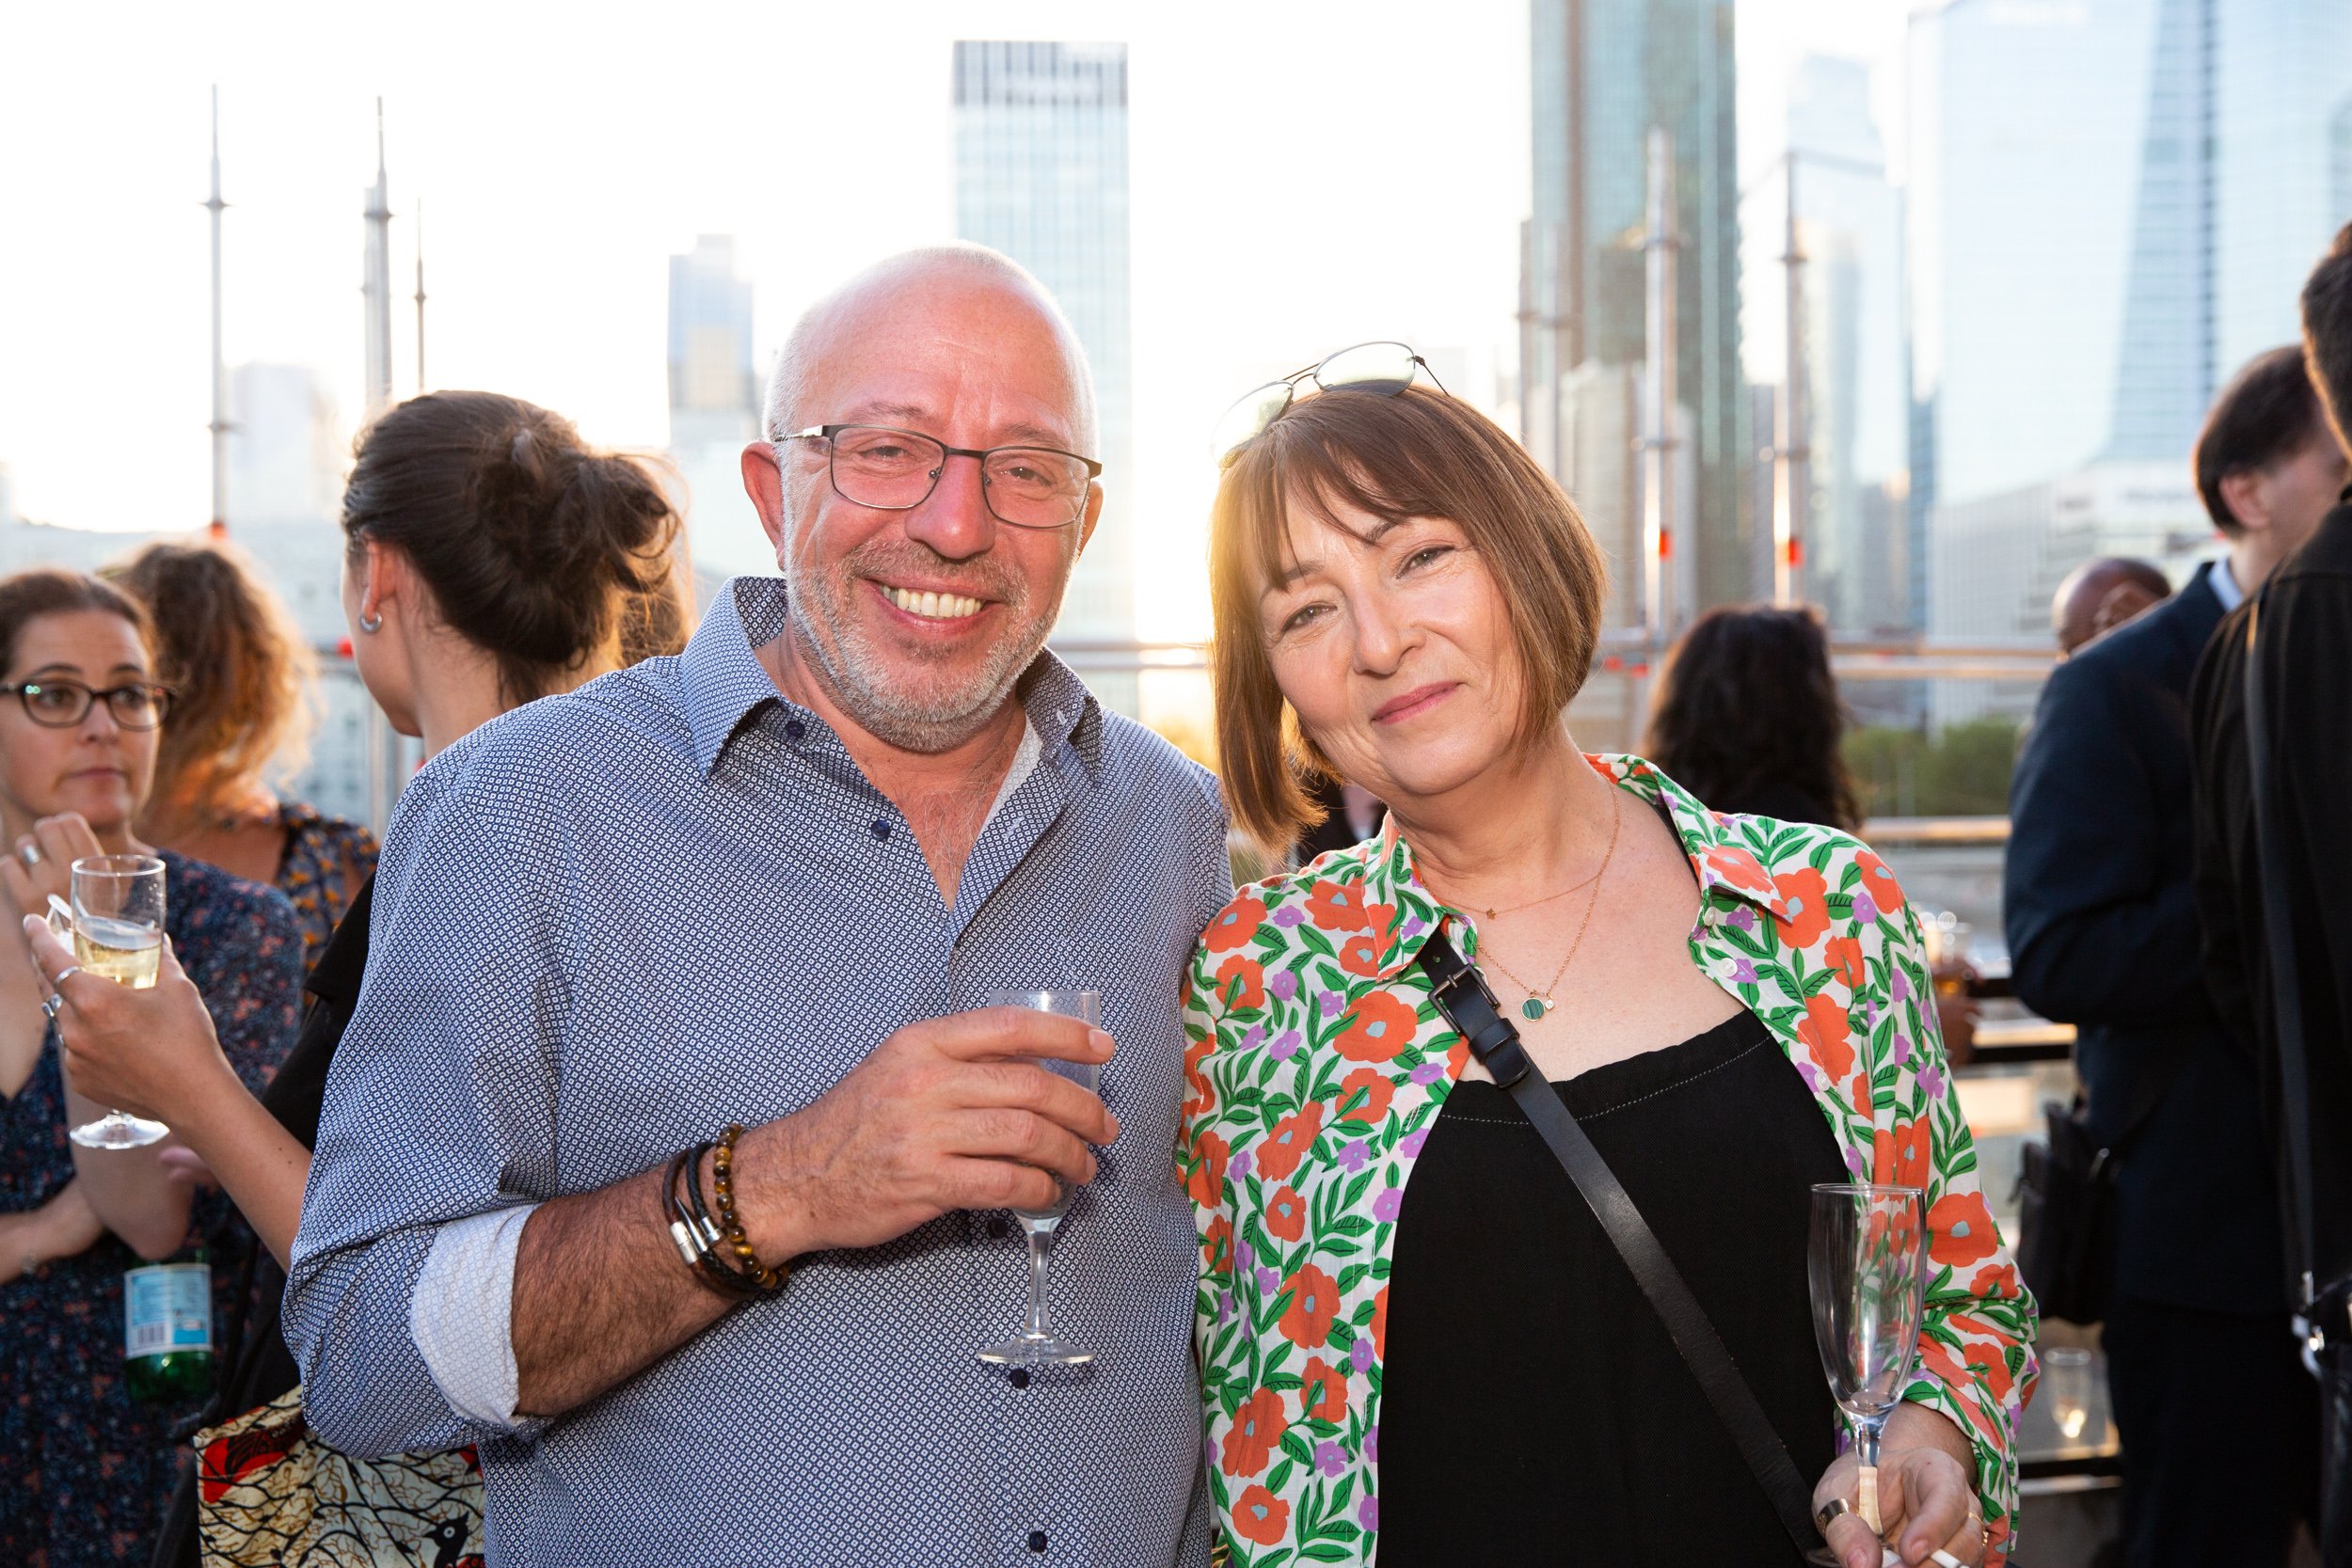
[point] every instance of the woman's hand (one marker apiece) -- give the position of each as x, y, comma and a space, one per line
39, 865
1927, 1498
145, 1052
65, 1226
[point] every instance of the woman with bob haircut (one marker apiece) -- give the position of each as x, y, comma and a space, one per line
1416, 1340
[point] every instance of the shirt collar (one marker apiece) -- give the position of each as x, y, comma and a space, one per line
2224, 584
724, 680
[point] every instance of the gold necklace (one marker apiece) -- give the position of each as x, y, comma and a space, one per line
1539, 1002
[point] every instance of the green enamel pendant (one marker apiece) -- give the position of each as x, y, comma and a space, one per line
1534, 1007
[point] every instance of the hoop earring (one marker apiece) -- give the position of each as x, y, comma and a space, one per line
371, 623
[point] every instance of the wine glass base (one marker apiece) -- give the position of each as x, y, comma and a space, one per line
120, 1131
1032, 1350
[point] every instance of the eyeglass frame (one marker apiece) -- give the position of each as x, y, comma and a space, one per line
826, 432
1290, 388
158, 694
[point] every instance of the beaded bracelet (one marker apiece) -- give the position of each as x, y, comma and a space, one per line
699, 1238
723, 1188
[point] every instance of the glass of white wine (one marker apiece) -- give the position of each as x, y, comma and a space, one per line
1036, 1344
118, 933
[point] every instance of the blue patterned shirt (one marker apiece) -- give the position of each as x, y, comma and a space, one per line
612, 921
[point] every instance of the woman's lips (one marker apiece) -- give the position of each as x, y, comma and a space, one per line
1420, 700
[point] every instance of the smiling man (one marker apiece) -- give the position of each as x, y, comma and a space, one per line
767, 884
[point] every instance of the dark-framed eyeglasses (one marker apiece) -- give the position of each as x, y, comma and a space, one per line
896, 471
1386, 367
63, 704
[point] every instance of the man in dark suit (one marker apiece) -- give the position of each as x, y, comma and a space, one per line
2216, 1414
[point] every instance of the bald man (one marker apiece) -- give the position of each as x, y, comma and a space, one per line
759, 895
2101, 595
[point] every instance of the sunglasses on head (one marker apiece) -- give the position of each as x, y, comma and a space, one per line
1384, 367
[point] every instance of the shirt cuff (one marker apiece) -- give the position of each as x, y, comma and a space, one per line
461, 1314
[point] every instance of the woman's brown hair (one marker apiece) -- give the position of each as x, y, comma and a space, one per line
533, 542
46, 591
1417, 453
239, 670
1747, 715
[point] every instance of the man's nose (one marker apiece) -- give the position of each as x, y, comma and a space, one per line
955, 520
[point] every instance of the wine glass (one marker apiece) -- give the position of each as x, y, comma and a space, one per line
1036, 1344
117, 928
1866, 1263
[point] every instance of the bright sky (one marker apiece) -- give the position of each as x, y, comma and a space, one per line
1304, 174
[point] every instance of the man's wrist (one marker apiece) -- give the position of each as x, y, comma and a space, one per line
768, 1196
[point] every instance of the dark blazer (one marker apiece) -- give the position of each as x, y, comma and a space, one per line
2102, 934
2305, 642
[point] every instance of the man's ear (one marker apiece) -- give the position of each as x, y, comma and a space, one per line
763, 481
1093, 515
2246, 492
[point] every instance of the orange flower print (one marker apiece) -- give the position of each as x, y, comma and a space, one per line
1900, 1159
1378, 1027
1886, 894
1258, 1425
1740, 869
1217, 1247
1844, 955
1960, 1230
1360, 954
1260, 1517
1337, 906
1858, 1092
1380, 1324
1284, 1148
1369, 1091
1825, 1033
1804, 912
1314, 1302
1286, 1215
1241, 982
1321, 1391
1995, 1284
1206, 1182
1234, 924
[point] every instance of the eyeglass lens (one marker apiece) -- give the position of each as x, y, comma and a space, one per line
1385, 368
64, 703
895, 469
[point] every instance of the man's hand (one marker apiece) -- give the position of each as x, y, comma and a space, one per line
942, 1115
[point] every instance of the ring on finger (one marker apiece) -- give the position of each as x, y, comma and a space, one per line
1946, 1558
1827, 1514
29, 853
50, 1004
66, 973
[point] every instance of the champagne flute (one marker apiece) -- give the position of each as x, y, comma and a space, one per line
1036, 1344
1865, 1264
117, 932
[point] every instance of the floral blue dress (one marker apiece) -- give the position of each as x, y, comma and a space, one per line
84, 1472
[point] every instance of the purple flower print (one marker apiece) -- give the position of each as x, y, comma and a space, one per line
1254, 1037
1744, 918
1812, 1076
1372, 1444
1239, 1166
1902, 986
1368, 1513
1353, 1156
1901, 1052
1415, 925
1865, 909
1383, 1207
1854, 1160
1244, 1254
1409, 1145
1332, 1002
1268, 1282
1224, 1308
1283, 983
1744, 972
1289, 916
1286, 1045
1329, 1459
1932, 1081
1428, 1072
1361, 1357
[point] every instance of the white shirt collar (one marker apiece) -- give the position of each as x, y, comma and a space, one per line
2224, 585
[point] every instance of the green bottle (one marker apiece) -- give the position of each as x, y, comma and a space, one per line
167, 1330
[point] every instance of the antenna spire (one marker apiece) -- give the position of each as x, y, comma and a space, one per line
219, 425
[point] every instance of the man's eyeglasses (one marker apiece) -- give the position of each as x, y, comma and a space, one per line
896, 471
1384, 367
63, 704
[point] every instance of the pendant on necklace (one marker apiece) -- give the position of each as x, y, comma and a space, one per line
1536, 1007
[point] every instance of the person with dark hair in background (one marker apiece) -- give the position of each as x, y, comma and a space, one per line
2103, 934
2301, 635
1747, 717
2101, 595
84, 1468
491, 556
240, 711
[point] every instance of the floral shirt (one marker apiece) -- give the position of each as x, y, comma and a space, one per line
326, 861
1317, 1064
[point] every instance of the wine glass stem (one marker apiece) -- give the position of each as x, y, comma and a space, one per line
1866, 1439
1040, 1241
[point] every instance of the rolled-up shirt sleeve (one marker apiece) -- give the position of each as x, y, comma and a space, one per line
439, 1111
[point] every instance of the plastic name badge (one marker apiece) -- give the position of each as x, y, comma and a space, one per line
168, 1309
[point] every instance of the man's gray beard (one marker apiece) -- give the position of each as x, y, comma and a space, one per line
931, 716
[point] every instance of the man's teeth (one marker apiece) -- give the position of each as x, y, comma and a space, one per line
933, 606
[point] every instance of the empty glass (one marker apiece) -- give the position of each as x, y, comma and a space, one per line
1036, 1343
115, 928
1865, 1264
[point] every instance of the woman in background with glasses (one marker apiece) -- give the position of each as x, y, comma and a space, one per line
242, 711
86, 1471
492, 557
1415, 1338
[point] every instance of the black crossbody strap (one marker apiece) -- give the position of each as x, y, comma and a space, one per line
1463, 996
2286, 993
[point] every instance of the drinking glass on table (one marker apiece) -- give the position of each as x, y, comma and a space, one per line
115, 926
1036, 1344
1866, 1263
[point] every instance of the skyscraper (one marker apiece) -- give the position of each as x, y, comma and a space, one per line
1041, 174
714, 405
1605, 71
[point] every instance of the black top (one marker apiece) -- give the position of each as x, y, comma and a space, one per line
2305, 642
1533, 1409
2101, 913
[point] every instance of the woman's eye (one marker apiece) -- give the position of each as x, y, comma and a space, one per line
1304, 615
1425, 556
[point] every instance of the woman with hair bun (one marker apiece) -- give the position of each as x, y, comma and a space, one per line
241, 718
493, 557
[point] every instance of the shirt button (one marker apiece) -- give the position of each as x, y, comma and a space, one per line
1037, 1541
1018, 1377
881, 831
794, 729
